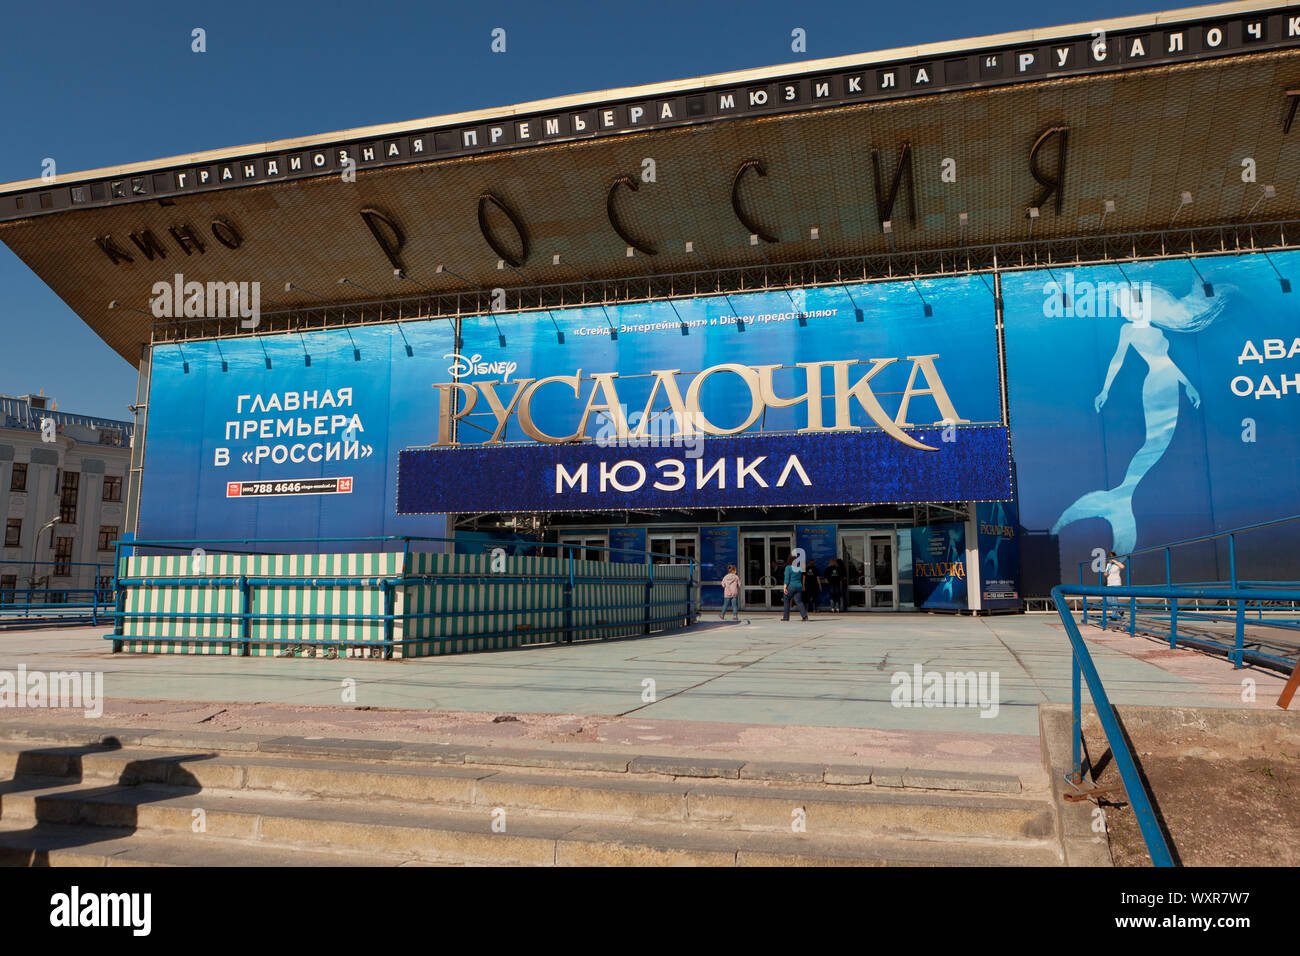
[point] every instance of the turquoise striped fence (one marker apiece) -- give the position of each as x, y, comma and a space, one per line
387, 604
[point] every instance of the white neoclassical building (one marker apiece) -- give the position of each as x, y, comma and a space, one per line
62, 498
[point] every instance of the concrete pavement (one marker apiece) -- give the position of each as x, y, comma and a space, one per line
836, 671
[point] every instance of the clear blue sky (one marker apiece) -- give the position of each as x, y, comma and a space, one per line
96, 84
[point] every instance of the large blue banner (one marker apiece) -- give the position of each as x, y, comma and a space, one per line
821, 396
288, 436
817, 396
1157, 403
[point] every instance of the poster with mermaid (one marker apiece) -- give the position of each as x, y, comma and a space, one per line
1138, 416
1150, 314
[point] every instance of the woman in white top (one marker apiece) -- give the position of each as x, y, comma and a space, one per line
1115, 579
1114, 572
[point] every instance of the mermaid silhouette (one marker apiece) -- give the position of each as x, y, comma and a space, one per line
1145, 317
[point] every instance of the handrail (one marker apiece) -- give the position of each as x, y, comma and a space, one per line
1217, 534
1231, 534
40, 605
57, 599
1168, 611
1137, 792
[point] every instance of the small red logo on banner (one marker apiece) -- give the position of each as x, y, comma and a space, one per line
345, 485
232, 489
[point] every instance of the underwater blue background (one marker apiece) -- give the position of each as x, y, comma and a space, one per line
1209, 478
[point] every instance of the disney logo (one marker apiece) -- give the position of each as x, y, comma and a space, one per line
472, 365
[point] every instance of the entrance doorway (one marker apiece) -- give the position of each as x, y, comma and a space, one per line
871, 566
585, 547
763, 558
683, 547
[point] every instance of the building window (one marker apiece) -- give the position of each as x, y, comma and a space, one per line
14, 533
104, 588
112, 487
62, 557
8, 588
18, 480
107, 535
68, 497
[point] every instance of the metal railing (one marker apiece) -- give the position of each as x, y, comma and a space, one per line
1158, 609
682, 610
41, 601
1168, 597
1082, 665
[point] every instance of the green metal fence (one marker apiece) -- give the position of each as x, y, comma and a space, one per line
390, 604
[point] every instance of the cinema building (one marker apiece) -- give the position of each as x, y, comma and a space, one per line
959, 315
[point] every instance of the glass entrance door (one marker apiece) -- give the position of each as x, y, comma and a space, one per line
763, 558
853, 551
682, 547
585, 547
884, 580
870, 566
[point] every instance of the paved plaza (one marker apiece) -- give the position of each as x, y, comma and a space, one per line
833, 671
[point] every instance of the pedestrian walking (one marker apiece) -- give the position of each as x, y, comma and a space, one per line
730, 593
812, 587
793, 589
1115, 579
835, 584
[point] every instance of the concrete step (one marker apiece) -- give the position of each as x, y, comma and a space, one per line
389, 830
73, 798
26, 737
59, 845
748, 804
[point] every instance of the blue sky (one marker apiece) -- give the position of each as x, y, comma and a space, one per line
94, 84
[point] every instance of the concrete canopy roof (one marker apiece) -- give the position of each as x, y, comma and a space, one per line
1139, 137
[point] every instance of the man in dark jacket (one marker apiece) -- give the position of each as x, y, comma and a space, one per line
835, 584
812, 586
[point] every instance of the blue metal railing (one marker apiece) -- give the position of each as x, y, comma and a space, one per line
40, 601
41, 605
1246, 601
245, 617
1168, 549
1082, 664
1157, 609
